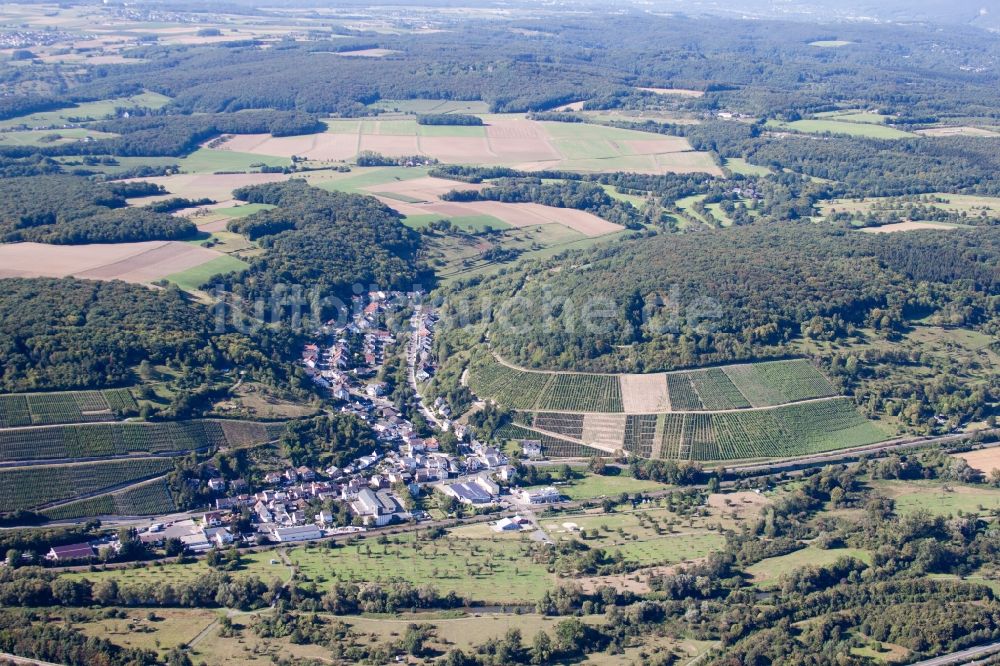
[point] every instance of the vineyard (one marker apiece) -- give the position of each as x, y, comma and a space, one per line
779, 382
582, 393
108, 439
682, 393
519, 389
717, 391
144, 499
27, 409
791, 430
553, 447
509, 387
640, 433
766, 384
30, 487
568, 425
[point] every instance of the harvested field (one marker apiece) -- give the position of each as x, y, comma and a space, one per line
908, 226
423, 189
505, 139
367, 53
645, 394
132, 262
984, 460
604, 431
681, 92
326, 146
958, 131
514, 214
211, 186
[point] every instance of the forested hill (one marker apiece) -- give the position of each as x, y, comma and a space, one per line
325, 243
740, 293
68, 333
70, 209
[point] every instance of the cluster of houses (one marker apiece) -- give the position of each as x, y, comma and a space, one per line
19, 39
423, 337
290, 505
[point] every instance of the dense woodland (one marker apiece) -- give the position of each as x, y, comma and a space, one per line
319, 245
73, 210
735, 294
63, 334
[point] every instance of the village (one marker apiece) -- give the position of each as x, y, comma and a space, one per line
387, 486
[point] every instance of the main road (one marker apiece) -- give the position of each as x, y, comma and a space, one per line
962, 656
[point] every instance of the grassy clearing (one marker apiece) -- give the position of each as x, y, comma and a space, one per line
838, 127
495, 571
172, 627
650, 535
49, 137
635, 199
242, 210
193, 278
86, 111
744, 168
766, 572
593, 485
459, 258
939, 498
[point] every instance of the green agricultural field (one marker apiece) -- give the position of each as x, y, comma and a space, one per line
593, 486
854, 117
193, 278
451, 130
837, 127
492, 571
766, 572
207, 160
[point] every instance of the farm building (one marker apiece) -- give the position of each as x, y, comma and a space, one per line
482, 490
74, 551
298, 533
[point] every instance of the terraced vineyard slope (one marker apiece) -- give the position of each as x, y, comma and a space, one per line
775, 409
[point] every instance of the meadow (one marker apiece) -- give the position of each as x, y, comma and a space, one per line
767, 572
822, 126
472, 569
